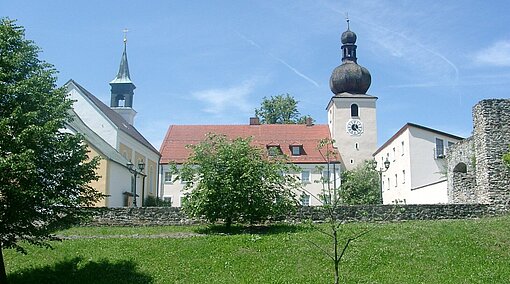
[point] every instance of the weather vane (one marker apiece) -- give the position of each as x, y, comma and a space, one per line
125, 31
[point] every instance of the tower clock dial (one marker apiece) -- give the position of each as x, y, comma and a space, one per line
354, 127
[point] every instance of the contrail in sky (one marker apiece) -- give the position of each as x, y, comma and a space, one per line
297, 72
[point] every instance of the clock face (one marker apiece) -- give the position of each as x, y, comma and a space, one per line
354, 127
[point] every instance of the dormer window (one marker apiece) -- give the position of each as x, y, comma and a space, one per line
296, 150
273, 150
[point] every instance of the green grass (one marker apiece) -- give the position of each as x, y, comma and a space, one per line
447, 251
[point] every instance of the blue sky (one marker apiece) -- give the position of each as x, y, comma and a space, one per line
212, 62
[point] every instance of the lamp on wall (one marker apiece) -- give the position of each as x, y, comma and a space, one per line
381, 170
135, 172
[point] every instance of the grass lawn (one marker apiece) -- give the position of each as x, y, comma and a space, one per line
446, 251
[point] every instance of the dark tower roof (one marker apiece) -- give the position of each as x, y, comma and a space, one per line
122, 86
123, 75
349, 76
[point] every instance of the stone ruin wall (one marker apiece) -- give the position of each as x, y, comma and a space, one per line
461, 173
486, 178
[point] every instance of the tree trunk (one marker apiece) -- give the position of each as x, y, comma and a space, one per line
3, 275
337, 259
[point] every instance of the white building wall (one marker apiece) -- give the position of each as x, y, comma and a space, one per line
432, 194
173, 190
415, 175
118, 183
426, 168
396, 181
93, 118
353, 149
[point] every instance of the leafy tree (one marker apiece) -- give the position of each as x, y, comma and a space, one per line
361, 185
506, 159
232, 180
280, 109
44, 172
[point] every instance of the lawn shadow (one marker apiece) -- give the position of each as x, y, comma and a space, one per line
78, 270
272, 229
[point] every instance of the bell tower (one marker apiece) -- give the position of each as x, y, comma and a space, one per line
122, 90
351, 111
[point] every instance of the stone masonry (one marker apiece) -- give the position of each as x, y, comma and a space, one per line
476, 172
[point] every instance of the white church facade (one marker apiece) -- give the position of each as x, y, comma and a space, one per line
128, 162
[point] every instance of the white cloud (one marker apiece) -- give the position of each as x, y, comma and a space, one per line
218, 101
290, 67
497, 54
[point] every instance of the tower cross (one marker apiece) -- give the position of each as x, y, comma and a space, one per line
347, 19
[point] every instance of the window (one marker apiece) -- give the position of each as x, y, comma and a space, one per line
326, 175
167, 199
305, 199
403, 176
394, 154
439, 148
274, 150
357, 146
402, 148
352, 161
354, 110
396, 180
168, 177
296, 150
305, 176
450, 144
389, 184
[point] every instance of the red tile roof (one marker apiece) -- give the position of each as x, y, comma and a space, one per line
173, 148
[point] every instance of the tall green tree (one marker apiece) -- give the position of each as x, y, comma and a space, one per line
234, 181
280, 109
44, 172
361, 185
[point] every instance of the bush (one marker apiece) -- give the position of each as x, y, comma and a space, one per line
152, 201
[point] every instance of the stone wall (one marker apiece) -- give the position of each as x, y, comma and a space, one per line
491, 134
486, 179
461, 173
157, 216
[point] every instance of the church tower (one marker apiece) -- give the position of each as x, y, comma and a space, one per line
122, 90
351, 111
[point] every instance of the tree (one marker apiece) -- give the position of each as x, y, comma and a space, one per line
506, 159
232, 180
280, 109
332, 198
361, 185
44, 172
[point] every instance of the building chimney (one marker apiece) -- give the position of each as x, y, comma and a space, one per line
254, 121
309, 121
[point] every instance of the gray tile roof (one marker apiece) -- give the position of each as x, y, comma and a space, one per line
95, 141
114, 117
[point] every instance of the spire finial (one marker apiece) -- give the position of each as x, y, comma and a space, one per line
347, 19
125, 31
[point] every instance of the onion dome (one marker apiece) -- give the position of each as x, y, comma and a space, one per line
349, 77
348, 37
